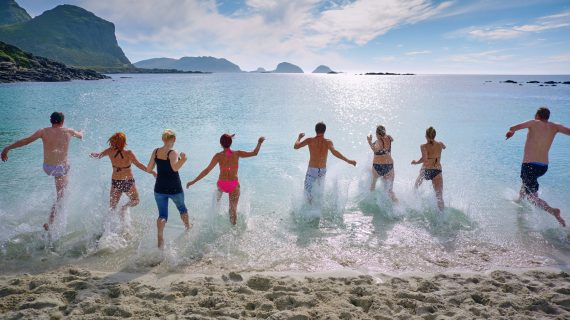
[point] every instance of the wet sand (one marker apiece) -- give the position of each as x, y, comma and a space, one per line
82, 294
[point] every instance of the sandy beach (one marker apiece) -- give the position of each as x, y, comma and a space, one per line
82, 294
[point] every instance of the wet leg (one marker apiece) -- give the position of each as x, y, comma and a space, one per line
160, 223
60, 185
535, 200
437, 182
133, 195
234, 199
389, 183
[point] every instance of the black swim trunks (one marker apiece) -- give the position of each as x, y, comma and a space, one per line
382, 169
123, 185
429, 174
530, 172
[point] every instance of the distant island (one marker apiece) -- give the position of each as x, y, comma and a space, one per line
286, 67
259, 70
201, 64
20, 66
67, 34
324, 69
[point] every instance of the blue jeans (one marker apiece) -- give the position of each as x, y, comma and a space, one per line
162, 203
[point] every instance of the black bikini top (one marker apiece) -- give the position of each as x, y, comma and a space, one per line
383, 150
120, 153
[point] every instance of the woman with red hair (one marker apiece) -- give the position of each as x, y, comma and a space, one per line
122, 180
228, 182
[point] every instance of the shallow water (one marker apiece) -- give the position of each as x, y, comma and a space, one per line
482, 229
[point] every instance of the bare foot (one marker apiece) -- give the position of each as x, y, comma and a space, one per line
556, 213
188, 226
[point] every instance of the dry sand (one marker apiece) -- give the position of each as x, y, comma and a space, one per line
82, 294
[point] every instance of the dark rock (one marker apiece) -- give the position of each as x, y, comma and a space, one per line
20, 66
534, 81
202, 64
509, 81
286, 67
323, 69
550, 82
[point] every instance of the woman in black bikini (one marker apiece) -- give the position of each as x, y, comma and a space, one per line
122, 180
431, 165
383, 164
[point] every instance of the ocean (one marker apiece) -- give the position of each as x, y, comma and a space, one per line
481, 229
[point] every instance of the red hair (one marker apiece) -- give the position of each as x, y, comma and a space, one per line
118, 141
226, 140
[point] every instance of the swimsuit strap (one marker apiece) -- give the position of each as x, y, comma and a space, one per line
155, 153
119, 152
228, 152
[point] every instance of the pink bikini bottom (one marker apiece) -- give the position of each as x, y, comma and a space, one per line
227, 186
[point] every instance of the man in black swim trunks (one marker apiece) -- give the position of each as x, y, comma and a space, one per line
541, 133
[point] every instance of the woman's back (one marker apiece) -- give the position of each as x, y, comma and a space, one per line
228, 161
433, 151
167, 180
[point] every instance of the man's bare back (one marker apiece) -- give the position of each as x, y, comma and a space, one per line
56, 144
318, 151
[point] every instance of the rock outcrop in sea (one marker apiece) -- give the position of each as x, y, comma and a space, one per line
19, 66
286, 67
202, 64
323, 69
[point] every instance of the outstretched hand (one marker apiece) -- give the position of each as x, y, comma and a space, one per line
5, 155
301, 135
509, 134
182, 156
94, 155
414, 162
352, 162
189, 184
260, 140
369, 138
154, 174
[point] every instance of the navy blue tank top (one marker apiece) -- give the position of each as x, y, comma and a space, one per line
167, 180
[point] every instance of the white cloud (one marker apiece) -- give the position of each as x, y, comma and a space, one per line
490, 56
415, 53
558, 58
557, 21
264, 32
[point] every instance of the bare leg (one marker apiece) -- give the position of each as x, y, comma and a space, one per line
234, 199
115, 196
160, 223
389, 183
419, 180
522, 194
437, 182
534, 199
185, 219
60, 185
374, 179
133, 195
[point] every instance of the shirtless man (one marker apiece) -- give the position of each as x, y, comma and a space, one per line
56, 143
541, 133
319, 148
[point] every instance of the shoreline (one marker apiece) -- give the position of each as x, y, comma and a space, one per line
88, 294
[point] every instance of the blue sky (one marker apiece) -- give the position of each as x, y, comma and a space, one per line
419, 36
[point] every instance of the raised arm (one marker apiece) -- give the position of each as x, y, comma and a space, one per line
139, 165
76, 134
99, 155
372, 145
175, 162
563, 129
204, 172
424, 156
299, 144
247, 154
339, 155
518, 127
20, 143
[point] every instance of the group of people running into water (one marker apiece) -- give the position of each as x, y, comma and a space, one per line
168, 162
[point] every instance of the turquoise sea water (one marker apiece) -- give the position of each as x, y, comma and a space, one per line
483, 228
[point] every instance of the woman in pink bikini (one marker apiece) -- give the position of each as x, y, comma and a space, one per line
228, 180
